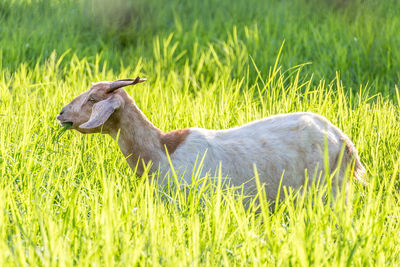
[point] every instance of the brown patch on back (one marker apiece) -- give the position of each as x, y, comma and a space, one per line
173, 139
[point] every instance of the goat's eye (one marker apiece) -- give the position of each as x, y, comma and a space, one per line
92, 100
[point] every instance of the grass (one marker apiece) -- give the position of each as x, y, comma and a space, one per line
74, 201
358, 38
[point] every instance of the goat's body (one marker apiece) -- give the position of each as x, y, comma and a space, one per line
282, 147
285, 145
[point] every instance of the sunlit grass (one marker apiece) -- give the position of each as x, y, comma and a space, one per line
73, 200
70, 199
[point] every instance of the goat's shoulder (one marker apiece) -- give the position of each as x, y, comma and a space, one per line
187, 138
173, 139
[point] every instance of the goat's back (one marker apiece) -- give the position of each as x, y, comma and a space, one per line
287, 144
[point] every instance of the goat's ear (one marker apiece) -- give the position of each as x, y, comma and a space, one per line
101, 111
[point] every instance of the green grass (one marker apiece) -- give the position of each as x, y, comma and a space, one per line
213, 64
358, 38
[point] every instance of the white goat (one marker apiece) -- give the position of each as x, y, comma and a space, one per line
287, 144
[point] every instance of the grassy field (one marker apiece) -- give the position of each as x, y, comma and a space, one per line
72, 200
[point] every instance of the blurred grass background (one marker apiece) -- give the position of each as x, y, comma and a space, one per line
357, 38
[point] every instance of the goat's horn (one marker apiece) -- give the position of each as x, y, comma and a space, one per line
125, 82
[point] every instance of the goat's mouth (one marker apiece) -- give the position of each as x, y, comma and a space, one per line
66, 124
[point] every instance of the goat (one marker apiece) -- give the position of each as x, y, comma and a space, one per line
282, 146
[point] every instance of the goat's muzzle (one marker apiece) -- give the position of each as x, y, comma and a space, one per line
61, 120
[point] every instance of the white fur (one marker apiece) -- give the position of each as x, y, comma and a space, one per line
287, 144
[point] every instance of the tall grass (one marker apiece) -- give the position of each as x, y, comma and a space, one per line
73, 200
356, 38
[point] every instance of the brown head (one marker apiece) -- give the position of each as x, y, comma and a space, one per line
96, 109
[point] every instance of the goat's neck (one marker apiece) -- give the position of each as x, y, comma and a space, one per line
138, 139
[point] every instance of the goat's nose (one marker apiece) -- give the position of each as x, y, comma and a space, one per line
59, 115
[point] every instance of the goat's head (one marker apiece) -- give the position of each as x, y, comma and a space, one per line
93, 110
